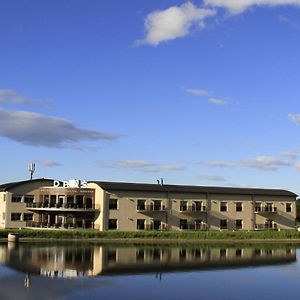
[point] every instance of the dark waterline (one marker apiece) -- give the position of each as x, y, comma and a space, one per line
89, 271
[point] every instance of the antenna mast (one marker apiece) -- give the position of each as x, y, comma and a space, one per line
31, 169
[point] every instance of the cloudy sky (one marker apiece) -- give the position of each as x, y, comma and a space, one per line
197, 92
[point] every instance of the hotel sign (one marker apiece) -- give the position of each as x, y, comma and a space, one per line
72, 183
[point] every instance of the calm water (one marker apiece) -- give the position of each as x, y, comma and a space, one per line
93, 271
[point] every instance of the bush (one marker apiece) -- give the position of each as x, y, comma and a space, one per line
175, 235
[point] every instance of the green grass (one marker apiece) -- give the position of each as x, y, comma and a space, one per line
182, 235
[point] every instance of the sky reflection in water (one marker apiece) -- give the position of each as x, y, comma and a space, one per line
49, 271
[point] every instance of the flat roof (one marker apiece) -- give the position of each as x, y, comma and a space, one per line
124, 186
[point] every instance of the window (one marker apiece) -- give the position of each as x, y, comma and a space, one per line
269, 207
70, 202
16, 198
197, 206
60, 200
28, 217
288, 207
157, 205
113, 203
239, 206
88, 202
238, 252
3, 216
141, 204
15, 217
183, 224
46, 200
238, 224
223, 206
140, 224
79, 201
28, 198
112, 224
258, 207
269, 224
223, 224
198, 224
156, 224
183, 206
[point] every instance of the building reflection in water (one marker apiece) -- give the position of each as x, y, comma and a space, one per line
77, 260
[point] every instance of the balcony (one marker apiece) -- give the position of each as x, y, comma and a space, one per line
151, 208
266, 226
42, 206
193, 226
155, 227
33, 224
265, 210
192, 209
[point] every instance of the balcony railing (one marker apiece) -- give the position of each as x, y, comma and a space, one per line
152, 227
186, 209
34, 224
61, 206
266, 209
193, 226
151, 208
266, 226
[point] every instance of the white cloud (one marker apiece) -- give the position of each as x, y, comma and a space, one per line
264, 163
288, 154
220, 164
267, 163
142, 165
294, 118
48, 163
174, 22
211, 100
293, 23
40, 130
239, 6
197, 92
217, 101
9, 96
211, 177
297, 166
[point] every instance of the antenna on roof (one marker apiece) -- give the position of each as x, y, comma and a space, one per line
160, 182
31, 169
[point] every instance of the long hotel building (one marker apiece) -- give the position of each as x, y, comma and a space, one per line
46, 203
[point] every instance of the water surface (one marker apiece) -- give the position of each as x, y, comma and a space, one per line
95, 271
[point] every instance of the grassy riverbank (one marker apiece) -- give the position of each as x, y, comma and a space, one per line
159, 235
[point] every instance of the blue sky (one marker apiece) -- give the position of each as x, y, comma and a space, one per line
201, 92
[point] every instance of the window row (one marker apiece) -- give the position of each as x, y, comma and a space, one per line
18, 217
140, 224
238, 224
66, 201
22, 198
224, 206
157, 205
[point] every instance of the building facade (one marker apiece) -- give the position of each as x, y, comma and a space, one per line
45, 203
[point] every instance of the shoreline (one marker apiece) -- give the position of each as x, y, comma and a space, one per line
162, 241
